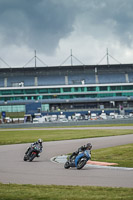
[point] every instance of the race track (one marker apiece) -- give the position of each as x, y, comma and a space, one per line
42, 171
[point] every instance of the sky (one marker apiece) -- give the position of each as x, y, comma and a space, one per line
65, 32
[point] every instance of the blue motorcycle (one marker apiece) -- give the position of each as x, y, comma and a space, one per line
78, 160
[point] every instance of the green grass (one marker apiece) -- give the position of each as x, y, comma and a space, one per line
38, 192
122, 155
15, 114
26, 136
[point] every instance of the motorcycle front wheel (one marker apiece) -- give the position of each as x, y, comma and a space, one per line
67, 165
81, 163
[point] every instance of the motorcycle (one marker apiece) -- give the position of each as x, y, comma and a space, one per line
32, 152
78, 161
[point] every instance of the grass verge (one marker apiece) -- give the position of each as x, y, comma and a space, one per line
38, 192
122, 155
28, 136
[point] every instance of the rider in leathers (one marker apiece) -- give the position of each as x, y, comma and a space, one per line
82, 149
29, 150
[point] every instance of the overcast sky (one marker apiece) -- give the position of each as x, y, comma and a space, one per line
55, 28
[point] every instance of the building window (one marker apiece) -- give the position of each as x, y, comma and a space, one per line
92, 89
66, 89
103, 88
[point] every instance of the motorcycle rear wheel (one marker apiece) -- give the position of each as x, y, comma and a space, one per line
81, 163
67, 165
25, 158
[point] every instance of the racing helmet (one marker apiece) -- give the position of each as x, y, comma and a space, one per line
89, 146
39, 140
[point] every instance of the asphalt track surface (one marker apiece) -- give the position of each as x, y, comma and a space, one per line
42, 171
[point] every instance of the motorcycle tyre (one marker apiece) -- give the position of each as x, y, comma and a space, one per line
83, 163
67, 165
32, 157
25, 158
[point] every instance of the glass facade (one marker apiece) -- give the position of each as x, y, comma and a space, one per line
66, 92
12, 108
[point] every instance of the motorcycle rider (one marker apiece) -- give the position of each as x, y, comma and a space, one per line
39, 142
88, 146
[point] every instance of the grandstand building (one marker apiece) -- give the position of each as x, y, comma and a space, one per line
67, 88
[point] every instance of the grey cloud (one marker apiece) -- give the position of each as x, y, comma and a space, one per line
105, 18
39, 24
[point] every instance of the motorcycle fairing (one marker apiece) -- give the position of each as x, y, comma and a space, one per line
86, 153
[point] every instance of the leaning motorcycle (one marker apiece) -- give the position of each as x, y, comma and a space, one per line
32, 152
78, 161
